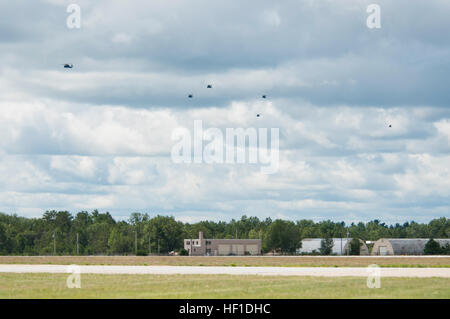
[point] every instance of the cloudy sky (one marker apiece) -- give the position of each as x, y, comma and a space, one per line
98, 136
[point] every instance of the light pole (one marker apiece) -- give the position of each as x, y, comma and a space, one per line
347, 243
77, 245
149, 246
54, 243
135, 242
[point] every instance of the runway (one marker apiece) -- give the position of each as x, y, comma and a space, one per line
213, 270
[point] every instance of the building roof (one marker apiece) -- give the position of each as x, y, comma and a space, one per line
411, 245
311, 244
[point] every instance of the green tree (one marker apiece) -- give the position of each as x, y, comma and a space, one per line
432, 247
282, 236
254, 234
3, 243
98, 233
326, 246
439, 228
98, 236
355, 247
165, 230
80, 226
121, 240
446, 249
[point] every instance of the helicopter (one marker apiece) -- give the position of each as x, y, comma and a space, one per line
68, 66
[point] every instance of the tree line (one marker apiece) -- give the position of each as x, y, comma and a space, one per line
96, 233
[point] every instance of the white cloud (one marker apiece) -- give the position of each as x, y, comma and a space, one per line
443, 128
272, 18
99, 135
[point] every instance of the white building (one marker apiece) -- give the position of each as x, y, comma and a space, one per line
340, 246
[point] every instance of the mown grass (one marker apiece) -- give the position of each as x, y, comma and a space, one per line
266, 261
48, 286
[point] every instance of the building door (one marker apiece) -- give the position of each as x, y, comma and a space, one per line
383, 251
238, 250
252, 249
224, 250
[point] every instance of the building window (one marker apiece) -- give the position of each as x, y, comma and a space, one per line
188, 243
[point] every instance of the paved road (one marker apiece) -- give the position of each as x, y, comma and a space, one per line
212, 270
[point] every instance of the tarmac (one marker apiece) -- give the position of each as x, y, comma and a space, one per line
229, 270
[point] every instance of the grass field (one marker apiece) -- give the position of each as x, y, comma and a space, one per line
217, 286
297, 261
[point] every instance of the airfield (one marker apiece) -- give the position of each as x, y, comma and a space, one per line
224, 270
237, 261
100, 286
156, 277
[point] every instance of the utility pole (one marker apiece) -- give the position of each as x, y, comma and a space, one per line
149, 246
348, 247
77, 245
236, 232
158, 246
135, 242
54, 244
190, 251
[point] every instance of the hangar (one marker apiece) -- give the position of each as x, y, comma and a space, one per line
402, 246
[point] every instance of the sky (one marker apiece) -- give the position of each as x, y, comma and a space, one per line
99, 136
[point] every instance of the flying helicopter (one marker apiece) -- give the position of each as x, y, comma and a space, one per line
68, 66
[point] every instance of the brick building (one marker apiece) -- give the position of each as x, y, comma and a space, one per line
222, 247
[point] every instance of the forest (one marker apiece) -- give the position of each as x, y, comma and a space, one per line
96, 233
